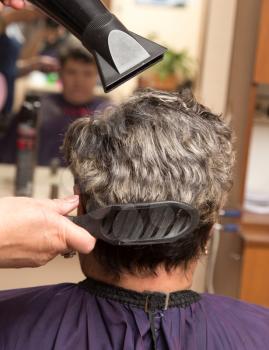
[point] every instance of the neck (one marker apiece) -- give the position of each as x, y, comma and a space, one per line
162, 281
76, 104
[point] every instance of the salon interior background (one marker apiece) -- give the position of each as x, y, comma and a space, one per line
221, 43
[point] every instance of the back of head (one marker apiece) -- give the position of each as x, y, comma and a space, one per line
157, 146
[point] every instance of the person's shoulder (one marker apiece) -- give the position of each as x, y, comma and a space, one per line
8, 296
235, 318
231, 304
18, 302
51, 106
101, 102
33, 311
55, 98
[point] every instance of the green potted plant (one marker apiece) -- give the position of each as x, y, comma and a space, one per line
176, 68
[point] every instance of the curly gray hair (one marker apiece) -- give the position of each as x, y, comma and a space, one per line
156, 146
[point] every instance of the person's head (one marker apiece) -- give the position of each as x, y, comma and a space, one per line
79, 75
157, 146
53, 31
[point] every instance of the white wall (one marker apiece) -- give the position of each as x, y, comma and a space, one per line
176, 27
258, 164
215, 72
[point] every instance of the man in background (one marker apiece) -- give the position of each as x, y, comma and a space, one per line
79, 75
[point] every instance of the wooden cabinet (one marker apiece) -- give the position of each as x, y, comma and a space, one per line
262, 63
254, 287
244, 258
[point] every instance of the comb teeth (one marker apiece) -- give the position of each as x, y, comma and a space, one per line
140, 223
166, 223
128, 225
144, 224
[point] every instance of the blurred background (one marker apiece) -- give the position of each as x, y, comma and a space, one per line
218, 48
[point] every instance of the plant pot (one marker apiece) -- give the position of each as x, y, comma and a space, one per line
154, 81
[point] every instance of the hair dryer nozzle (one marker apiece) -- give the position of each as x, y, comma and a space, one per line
119, 54
131, 55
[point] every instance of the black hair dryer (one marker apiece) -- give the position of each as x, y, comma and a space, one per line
119, 53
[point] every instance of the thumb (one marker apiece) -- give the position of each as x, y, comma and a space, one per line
61, 206
76, 238
18, 4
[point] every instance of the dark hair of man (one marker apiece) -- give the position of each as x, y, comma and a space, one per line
76, 54
157, 146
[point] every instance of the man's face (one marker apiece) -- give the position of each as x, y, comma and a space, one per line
79, 80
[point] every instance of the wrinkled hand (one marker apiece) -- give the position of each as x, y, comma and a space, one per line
16, 4
33, 232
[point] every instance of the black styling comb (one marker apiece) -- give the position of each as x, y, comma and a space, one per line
140, 223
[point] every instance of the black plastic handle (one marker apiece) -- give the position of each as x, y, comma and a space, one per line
140, 223
86, 222
75, 15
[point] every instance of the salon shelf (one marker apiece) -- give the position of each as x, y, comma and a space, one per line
261, 119
255, 236
255, 228
261, 75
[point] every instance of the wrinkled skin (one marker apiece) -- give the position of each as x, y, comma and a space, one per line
16, 4
33, 232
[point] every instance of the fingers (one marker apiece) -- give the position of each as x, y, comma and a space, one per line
71, 235
76, 238
17, 4
61, 206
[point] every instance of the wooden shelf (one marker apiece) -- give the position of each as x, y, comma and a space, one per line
255, 235
255, 228
261, 120
262, 61
261, 117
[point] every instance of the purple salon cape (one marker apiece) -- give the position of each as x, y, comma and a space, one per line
69, 317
